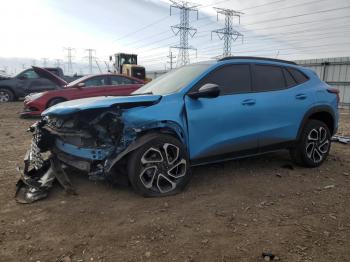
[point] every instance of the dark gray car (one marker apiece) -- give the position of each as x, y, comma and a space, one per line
28, 82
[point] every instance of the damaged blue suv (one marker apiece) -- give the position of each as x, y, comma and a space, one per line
197, 114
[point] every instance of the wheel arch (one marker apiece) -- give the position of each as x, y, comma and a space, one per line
322, 113
53, 98
148, 133
11, 90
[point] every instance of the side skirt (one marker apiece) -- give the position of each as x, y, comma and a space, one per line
242, 154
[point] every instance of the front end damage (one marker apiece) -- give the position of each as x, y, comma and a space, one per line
92, 141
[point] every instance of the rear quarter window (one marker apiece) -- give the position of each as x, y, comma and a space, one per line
298, 76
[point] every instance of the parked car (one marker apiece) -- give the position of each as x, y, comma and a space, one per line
27, 82
88, 86
194, 115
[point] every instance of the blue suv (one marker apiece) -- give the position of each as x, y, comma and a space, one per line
197, 114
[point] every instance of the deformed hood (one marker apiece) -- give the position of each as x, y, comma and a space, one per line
42, 72
100, 102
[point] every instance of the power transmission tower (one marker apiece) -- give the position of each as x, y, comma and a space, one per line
45, 61
58, 62
227, 33
184, 30
171, 58
90, 58
69, 59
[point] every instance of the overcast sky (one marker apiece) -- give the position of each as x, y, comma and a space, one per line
36, 29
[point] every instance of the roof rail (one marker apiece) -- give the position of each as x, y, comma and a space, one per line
257, 58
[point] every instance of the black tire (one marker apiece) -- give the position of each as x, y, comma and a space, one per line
55, 101
156, 169
313, 146
6, 95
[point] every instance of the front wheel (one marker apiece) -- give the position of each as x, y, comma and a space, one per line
55, 101
314, 144
160, 167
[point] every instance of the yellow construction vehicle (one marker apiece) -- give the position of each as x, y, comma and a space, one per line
126, 64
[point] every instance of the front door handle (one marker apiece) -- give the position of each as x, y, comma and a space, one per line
248, 102
301, 96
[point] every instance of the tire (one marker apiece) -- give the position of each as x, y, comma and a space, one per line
6, 95
314, 144
55, 101
159, 168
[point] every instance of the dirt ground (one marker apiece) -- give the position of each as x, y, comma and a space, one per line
232, 211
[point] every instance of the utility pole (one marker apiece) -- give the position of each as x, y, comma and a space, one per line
90, 58
227, 33
69, 59
45, 61
171, 58
184, 30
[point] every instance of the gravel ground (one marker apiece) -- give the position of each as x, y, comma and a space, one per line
231, 211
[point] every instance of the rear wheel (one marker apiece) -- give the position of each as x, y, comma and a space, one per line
313, 146
159, 168
55, 101
6, 95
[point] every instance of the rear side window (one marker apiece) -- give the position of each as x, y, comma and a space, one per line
290, 81
268, 78
230, 78
298, 76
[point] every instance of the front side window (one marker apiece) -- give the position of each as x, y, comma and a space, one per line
120, 80
29, 74
230, 79
268, 78
96, 81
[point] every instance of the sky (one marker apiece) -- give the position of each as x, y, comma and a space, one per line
36, 30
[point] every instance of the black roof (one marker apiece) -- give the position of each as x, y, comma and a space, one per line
257, 58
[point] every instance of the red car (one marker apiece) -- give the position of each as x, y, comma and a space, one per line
87, 86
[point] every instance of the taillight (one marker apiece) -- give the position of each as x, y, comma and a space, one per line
333, 90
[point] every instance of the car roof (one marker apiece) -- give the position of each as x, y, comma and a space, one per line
267, 59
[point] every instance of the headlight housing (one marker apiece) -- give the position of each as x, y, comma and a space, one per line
34, 96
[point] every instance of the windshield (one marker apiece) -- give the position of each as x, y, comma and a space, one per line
173, 81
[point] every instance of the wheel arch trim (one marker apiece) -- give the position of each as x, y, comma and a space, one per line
313, 110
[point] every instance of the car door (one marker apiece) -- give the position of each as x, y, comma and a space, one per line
93, 86
121, 86
227, 124
282, 102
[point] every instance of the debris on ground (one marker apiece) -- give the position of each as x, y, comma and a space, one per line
341, 139
268, 256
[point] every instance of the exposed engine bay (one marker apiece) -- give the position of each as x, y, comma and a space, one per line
88, 141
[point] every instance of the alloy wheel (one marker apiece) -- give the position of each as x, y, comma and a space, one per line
163, 168
4, 96
317, 144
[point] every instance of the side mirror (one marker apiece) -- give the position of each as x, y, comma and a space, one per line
80, 85
208, 90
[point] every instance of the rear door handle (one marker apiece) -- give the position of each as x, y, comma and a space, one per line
301, 96
248, 102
